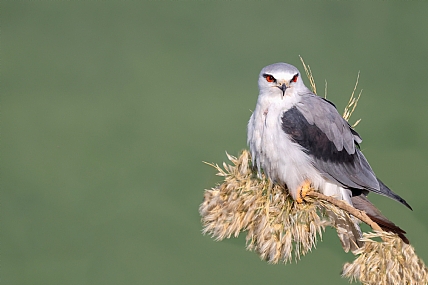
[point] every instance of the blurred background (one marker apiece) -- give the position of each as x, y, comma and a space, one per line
109, 109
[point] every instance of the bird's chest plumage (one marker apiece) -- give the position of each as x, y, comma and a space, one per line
283, 160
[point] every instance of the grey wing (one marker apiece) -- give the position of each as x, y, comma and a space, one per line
315, 124
331, 142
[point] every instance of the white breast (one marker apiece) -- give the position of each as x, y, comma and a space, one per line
282, 160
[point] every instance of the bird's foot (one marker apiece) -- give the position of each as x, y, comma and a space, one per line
303, 190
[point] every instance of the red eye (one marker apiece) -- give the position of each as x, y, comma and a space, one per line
294, 79
269, 78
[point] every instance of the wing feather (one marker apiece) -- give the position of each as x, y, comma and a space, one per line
315, 124
330, 142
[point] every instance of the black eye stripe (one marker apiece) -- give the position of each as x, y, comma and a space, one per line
295, 77
269, 77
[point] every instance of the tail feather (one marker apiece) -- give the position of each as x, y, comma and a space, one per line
390, 227
361, 202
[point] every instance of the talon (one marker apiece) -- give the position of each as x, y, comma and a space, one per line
303, 190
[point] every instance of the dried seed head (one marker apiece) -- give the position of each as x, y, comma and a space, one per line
278, 229
388, 262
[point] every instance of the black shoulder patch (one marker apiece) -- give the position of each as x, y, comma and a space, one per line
312, 139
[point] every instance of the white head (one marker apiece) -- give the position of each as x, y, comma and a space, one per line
281, 80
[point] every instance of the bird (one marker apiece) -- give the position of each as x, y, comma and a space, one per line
298, 139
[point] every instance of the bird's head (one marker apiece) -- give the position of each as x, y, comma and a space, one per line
280, 80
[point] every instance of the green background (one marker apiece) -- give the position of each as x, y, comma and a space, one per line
109, 108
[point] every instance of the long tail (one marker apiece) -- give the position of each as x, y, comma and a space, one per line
361, 202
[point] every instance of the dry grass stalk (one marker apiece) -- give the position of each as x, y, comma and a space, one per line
360, 215
352, 103
309, 75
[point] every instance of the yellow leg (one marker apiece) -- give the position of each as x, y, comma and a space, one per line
302, 190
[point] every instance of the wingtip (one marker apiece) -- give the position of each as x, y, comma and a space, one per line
384, 190
402, 201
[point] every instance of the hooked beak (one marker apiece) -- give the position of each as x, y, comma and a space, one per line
283, 87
